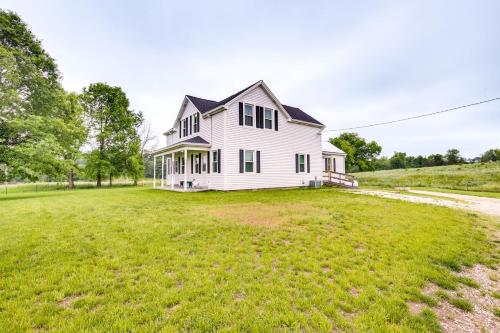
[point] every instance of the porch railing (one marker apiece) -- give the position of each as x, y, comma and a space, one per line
332, 177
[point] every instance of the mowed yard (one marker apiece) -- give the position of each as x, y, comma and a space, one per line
136, 259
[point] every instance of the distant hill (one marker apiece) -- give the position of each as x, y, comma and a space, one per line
473, 177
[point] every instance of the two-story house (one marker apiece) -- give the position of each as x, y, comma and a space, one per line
248, 140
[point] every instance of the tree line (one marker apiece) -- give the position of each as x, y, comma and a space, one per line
364, 156
49, 133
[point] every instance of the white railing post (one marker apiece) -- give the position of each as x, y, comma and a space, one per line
185, 168
154, 171
162, 170
172, 163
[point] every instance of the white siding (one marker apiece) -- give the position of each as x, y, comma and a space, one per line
278, 148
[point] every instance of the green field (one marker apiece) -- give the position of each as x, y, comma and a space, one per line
479, 177
137, 259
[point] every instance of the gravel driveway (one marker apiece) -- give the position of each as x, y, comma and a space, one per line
490, 206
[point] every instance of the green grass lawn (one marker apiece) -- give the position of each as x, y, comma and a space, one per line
136, 259
479, 177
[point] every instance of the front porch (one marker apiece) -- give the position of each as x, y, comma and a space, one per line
184, 167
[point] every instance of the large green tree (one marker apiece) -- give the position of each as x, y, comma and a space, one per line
490, 155
452, 156
361, 155
113, 131
36, 133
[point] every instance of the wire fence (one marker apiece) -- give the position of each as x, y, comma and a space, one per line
22, 187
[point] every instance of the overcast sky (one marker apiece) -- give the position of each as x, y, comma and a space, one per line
346, 63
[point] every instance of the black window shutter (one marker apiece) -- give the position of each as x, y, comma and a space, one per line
258, 161
219, 167
275, 120
179, 165
296, 163
180, 127
192, 163
199, 163
257, 116
208, 162
242, 161
261, 117
241, 114
326, 164
190, 124
308, 164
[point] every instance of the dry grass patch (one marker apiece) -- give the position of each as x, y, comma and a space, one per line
68, 301
467, 309
268, 215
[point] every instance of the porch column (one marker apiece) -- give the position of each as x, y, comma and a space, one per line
162, 169
154, 171
172, 163
185, 169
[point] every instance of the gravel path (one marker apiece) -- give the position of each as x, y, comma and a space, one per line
490, 206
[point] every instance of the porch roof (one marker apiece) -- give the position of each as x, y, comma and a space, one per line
196, 142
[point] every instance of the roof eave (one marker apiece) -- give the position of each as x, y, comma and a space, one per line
302, 122
182, 144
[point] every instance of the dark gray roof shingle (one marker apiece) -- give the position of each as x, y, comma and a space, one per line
205, 105
298, 114
195, 139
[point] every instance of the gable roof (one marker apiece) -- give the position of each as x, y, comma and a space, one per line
327, 147
206, 105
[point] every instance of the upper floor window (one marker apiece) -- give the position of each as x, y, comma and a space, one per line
183, 165
268, 118
248, 114
185, 127
196, 121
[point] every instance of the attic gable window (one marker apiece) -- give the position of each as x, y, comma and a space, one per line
248, 114
185, 127
268, 118
196, 120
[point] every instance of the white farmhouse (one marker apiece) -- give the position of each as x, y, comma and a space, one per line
248, 140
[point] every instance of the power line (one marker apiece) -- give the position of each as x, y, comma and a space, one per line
414, 117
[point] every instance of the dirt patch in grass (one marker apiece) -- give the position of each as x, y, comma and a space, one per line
467, 309
269, 215
416, 308
68, 301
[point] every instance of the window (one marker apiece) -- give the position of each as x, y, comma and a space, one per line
215, 162
268, 118
197, 164
197, 123
204, 163
328, 164
248, 114
302, 163
176, 167
185, 127
248, 160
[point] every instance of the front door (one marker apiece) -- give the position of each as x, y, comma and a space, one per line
328, 164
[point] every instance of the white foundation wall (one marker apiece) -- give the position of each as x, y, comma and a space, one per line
277, 148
